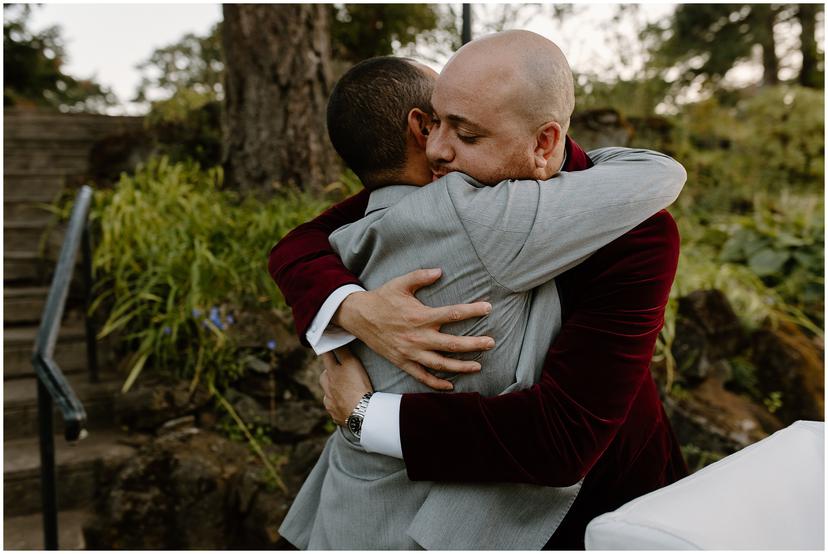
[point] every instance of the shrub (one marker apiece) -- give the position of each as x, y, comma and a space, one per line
178, 257
187, 126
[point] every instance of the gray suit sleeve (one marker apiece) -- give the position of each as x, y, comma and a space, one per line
527, 232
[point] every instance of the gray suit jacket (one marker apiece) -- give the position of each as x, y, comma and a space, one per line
503, 244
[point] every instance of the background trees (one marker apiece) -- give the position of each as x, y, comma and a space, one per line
277, 86
32, 73
734, 91
701, 43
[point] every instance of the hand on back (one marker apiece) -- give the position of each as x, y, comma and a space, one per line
392, 322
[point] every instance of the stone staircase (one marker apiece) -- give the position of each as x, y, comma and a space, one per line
45, 154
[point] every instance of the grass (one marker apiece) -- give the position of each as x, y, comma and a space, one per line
177, 256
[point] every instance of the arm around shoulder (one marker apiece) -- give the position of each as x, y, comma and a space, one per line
305, 267
554, 432
528, 232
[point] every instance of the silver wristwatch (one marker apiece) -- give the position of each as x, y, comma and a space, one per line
354, 421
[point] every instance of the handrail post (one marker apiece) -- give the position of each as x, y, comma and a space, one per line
52, 385
48, 492
91, 345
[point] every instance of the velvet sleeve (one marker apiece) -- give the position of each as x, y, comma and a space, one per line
553, 433
305, 267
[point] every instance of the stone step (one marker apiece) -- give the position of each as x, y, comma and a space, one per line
26, 267
46, 143
45, 125
20, 404
23, 304
32, 211
27, 236
83, 470
47, 149
43, 186
55, 161
18, 346
26, 532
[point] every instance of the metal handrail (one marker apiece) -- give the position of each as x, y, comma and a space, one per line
51, 383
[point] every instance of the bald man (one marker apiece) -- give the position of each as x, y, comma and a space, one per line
497, 242
506, 101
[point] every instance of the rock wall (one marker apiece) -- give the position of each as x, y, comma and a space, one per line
736, 387
195, 482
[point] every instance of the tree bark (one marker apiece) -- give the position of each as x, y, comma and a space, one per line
277, 82
808, 75
766, 20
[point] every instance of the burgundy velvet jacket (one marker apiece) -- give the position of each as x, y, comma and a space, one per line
596, 412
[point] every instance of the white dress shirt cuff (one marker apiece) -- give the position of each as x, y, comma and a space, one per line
381, 425
323, 336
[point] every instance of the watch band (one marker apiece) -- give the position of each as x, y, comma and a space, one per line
354, 421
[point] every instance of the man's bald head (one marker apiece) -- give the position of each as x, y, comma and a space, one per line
501, 109
526, 72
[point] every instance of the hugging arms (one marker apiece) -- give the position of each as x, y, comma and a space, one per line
595, 410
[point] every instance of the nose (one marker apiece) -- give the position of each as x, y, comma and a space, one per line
438, 147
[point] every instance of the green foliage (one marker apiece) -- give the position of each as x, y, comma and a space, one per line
784, 127
640, 96
773, 402
708, 39
187, 126
360, 31
256, 436
751, 216
765, 142
712, 257
780, 252
753, 207
174, 247
699, 44
194, 63
743, 377
347, 185
32, 69
187, 119
698, 458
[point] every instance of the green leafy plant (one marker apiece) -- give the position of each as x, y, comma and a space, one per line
773, 402
187, 126
697, 458
178, 260
786, 253
743, 377
177, 256
255, 441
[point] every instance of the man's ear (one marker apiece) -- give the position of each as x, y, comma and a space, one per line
547, 139
419, 125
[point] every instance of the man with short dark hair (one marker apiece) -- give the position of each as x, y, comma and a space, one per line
389, 89
548, 149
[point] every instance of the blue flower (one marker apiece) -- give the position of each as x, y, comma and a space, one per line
215, 318
166, 330
230, 320
271, 344
196, 312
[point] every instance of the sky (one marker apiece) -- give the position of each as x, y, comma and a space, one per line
107, 41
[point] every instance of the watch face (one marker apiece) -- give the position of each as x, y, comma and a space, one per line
354, 425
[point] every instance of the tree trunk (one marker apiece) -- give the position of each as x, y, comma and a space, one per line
766, 20
808, 75
277, 81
